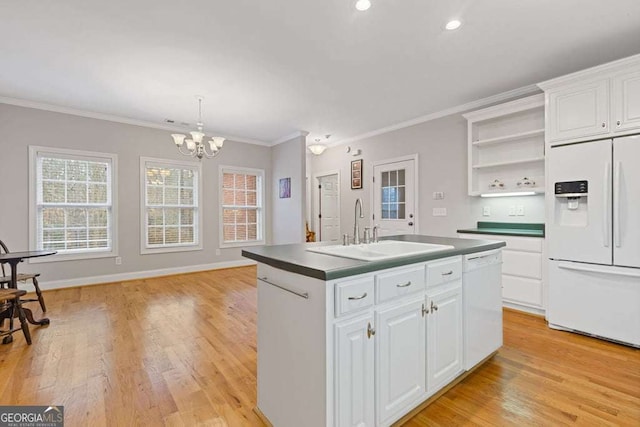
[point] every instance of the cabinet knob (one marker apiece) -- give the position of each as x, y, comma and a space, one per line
433, 307
618, 123
370, 330
425, 310
604, 125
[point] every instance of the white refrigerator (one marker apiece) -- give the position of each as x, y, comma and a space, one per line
593, 231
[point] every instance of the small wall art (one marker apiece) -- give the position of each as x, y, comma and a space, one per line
285, 188
356, 174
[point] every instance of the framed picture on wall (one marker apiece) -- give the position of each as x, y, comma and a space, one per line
285, 188
356, 174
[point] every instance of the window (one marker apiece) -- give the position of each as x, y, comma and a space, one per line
171, 199
73, 207
241, 206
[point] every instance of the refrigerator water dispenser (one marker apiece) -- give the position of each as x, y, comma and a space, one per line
572, 203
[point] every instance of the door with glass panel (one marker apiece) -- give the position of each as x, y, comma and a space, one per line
393, 197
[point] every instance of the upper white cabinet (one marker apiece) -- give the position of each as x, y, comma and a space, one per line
506, 147
596, 103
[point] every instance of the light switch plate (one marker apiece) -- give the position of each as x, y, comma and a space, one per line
439, 211
118, 260
520, 210
486, 211
438, 195
512, 211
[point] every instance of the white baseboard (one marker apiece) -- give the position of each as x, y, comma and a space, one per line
526, 309
119, 277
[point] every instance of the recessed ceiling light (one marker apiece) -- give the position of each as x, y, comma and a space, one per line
363, 5
453, 25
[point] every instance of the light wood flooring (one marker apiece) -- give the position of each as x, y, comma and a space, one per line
181, 350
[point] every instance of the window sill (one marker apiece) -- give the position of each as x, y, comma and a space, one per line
73, 257
242, 244
169, 249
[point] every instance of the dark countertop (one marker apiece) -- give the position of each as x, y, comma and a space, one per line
507, 229
296, 259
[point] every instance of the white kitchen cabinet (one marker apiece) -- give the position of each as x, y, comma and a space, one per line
506, 147
444, 336
400, 358
354, 368
626, 101
596, 103
578, 111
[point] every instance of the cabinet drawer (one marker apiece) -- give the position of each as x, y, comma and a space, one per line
521, 290
446, 270
397, 283
523, 264
353, 295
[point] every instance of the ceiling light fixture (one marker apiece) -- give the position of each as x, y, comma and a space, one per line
318, 148
195, 145
453, 25
363, 5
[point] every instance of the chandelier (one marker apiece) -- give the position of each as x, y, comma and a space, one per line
195, 145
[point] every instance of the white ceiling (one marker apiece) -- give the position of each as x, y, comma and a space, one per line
273, 67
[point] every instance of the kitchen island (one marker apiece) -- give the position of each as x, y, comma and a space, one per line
346, 342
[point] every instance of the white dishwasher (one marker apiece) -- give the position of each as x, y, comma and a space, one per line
482, 299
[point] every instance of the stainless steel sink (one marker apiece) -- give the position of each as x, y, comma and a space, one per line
385, 249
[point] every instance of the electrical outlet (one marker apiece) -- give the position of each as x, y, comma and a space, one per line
217, 252
438, 195
118, 260
520, 210
512, 211
439, 211
486, 211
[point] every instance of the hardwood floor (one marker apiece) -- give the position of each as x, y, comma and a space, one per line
181, 350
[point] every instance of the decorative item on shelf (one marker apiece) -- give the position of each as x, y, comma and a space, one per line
496, 185
285, 188
356, 174
195, 145
526, 183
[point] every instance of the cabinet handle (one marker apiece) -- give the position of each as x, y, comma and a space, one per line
370, 330
433, 307
448, 273
304, 295
360, 297
405, 285
604, 125
425, 310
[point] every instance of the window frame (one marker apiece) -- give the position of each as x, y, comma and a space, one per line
38, 151
260, 202
174, 247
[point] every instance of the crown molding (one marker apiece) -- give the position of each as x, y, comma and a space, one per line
297, 134
111, 118
501, 97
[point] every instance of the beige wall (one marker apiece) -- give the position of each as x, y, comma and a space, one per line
441, 146
21, 127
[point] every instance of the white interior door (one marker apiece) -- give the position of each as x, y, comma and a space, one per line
329, 210
580, 229
394, 197
626, 201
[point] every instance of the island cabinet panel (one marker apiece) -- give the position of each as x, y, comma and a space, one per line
354, 372
444, 336
400, 362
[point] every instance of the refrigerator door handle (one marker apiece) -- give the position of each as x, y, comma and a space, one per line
616, 207
592, 269
606, 220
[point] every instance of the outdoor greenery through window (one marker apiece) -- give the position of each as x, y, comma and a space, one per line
171, 204
242, 206
74, 209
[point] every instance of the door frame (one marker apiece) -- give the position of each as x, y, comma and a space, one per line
315, 182
416, 193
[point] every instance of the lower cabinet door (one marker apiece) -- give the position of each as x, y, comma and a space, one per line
354, 372
400, 359
444, 338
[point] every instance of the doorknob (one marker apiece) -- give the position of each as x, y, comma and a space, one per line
411, 223
410, 215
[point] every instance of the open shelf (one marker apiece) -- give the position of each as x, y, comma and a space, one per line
510, 162
537, 190
509, 138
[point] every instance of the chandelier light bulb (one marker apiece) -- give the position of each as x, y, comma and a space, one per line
453, 25
195, 147
363, 5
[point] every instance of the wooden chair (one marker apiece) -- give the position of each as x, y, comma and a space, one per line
10, 306
6, 279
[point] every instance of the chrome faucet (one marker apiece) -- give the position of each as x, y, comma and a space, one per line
356, 229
